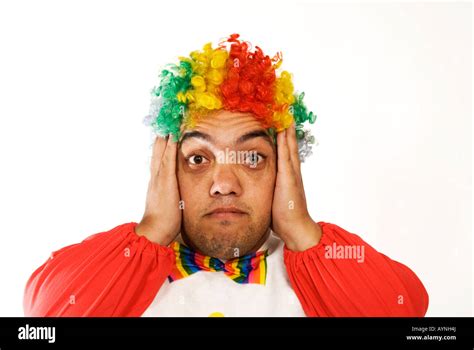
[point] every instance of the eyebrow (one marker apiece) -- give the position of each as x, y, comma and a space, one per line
248, 136
197, 135
253, 134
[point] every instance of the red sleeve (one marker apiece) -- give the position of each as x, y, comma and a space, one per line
328, 284
112, 273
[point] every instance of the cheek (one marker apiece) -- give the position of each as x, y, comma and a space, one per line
260, 192
194, 192
187, 189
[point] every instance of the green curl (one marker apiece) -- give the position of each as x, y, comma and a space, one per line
173, 79
301, 115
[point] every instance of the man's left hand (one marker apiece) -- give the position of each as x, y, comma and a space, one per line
290, 218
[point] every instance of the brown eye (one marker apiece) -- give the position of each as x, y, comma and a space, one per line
197, 159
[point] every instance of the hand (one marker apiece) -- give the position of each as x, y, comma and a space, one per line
290, 218
161, 222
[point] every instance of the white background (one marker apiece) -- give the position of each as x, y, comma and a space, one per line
390, 83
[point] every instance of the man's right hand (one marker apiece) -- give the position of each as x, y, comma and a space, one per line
161, 222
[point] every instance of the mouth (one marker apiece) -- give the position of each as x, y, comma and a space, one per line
226, 213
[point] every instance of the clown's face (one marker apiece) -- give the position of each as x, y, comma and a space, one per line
226, 177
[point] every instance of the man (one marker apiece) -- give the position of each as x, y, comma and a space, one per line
225, 236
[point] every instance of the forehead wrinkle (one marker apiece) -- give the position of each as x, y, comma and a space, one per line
250, 136
245, 126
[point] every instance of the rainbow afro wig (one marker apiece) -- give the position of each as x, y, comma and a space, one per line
230, 77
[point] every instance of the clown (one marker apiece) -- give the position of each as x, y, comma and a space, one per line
222, 235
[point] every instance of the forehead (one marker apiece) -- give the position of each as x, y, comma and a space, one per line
227, 127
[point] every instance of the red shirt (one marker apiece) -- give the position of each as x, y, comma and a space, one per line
118, 273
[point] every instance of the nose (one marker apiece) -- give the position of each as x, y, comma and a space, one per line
225, 181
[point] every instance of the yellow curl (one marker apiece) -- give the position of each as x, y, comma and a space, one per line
284, 89
209, 71
282, 120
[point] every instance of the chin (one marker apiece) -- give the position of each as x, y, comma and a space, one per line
222, 242
224, 239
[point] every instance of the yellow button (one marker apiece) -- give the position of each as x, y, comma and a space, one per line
216, 314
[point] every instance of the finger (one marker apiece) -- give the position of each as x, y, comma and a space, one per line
292, 142
293, 148
157, 154
168, 162
283, 153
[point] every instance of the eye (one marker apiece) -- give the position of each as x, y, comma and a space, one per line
196, 159
253, 159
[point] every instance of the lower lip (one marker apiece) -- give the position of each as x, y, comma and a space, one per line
226, 215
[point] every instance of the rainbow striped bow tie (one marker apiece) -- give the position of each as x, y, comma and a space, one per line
250, 268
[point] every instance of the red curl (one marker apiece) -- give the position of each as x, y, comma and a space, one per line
250, 82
